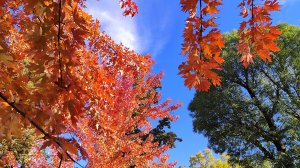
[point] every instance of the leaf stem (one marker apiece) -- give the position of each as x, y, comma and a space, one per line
201, 28
252, 21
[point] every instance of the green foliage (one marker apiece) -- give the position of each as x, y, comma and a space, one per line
161, 136
206, 159
254, 116
20, 147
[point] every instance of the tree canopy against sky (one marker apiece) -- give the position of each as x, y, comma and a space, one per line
89, 98
206, 159
254, 115
8, 59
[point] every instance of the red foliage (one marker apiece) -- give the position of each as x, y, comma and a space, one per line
202, 49
203, 42
62, 76
257, 34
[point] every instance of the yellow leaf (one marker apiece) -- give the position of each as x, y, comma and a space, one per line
5, 57
47, 3
39, 9
4, 104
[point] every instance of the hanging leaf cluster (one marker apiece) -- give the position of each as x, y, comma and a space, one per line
203, 41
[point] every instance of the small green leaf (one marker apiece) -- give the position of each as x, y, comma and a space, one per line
30, 84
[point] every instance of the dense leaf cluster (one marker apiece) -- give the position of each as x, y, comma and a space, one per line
254, 115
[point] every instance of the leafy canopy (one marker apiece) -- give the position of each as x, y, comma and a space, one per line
81, 92
254, 115
206, 159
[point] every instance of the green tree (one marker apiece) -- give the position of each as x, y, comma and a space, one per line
19, 147
163, 137
254, 115
206, 159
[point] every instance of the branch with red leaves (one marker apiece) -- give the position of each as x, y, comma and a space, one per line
202, 45
203, 42
257, 35
33, 123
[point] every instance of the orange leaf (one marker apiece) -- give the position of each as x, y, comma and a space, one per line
69, 147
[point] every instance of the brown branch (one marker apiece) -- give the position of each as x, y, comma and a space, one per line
278, 142
287, 91
23, 114
58, 44
47, 135
201, 28
264, 150
252, 20
201, 18
60, 162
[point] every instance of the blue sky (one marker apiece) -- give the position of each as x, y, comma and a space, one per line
157, 30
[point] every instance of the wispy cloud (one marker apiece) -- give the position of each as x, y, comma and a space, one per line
155, 27
148, 32
120, 28
285, 2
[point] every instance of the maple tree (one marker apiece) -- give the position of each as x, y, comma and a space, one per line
84, 95
62, 76
203, 41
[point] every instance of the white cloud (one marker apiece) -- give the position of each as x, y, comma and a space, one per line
284, 2
146, 33
120, 28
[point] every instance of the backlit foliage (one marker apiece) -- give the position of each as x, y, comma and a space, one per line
206, 159
83, 93
203, 41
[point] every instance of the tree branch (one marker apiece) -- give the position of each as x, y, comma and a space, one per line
277, 141
287, 91
252, 21
201, 28
47, 135
58, 44
264, 150
60, 162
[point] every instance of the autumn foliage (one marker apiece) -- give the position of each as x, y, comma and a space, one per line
203, 41
202, 48
84, 94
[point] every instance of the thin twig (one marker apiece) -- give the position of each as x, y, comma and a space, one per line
60, 162
48, 136
252, 20
201, 28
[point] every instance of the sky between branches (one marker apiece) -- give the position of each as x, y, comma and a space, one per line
157, 31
